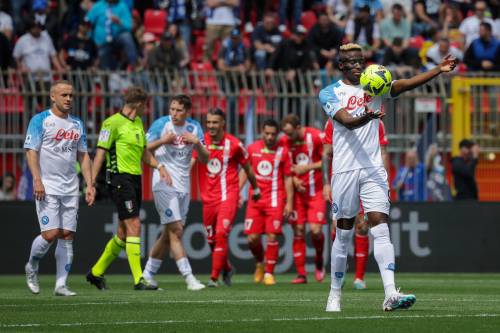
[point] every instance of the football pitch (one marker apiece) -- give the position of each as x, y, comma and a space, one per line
445, 303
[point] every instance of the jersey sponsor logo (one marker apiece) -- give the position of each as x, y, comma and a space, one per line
190, 128
62, 134
28, 139
264, 168
104, 135
353, 102
214, 166
178, 141
129, 205
302, 159
45, 220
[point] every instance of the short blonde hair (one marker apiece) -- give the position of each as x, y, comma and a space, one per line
350, 47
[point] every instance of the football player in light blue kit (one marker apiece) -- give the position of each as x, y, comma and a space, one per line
173, 138
358, 170
54, 142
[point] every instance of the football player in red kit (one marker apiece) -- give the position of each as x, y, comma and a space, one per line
271, 163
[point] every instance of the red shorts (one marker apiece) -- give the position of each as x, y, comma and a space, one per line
308, 209
263, 219
219, 217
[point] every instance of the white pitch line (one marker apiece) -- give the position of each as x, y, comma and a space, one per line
213, 301
166, 322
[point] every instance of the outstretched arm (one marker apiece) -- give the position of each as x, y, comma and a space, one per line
400, 86
345, 118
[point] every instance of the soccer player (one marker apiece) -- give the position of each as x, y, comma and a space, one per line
55, 141
361, 240
122, 144
220, 190
173, 138
358, 170
306, 145
271, 163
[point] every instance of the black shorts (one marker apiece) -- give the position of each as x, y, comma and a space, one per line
126, 191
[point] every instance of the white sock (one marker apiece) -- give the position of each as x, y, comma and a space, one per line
151, 268
38, 250
64, 258
383, 252
184, 267
339, 257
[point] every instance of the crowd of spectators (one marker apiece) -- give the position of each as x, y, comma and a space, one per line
238, 35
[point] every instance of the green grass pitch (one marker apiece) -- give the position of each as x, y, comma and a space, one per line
445, 303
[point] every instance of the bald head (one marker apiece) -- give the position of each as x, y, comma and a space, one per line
61, 95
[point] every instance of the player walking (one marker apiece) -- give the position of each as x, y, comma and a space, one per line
271, 163
220, 190
55, 141
358, 170
306, 145
121, 143
172, 138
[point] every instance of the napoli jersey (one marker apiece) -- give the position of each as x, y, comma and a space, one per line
175, 156
57, 141
358, 148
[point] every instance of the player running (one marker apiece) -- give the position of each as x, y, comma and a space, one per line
358, 170
306, 145
173, 138
361, 240
220, 190
54, 142
121, 143
271, 163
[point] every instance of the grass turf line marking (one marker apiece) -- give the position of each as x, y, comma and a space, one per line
222, 321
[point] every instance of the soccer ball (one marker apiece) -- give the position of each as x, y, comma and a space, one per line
376, 80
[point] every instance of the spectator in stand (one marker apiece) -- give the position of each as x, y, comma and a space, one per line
407, 6
339, 12
75, 13
8, 187
400, 58
48, 17
165, 56
180, 45
266, 38
363, 30
79, 51
437, 184
112, 31
410, 179
463, 168
233, 55
178, 14
291, 10
395, 26
260, 6
6, 27
220, 21
470, 26
325, 39
483, 53
438, 51
375, 7
426, 16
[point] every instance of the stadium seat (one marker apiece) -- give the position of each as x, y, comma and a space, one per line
155, 21
308, 19
204, 77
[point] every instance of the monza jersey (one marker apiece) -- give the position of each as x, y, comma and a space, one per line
57, 141
358, 148
328, 133
175, 156
219, 177
307, 151
270, 167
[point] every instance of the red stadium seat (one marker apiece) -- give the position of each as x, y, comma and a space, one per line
204, 76
308, 19
155, 21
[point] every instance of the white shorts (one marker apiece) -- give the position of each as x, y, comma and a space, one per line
57, 212
370, 185
172, 206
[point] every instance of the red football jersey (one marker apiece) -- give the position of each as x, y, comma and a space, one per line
308, 151
218, 178
327, 139
270, 167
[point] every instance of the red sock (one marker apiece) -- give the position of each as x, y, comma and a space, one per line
272, 252
219, 256
334, 233
299, 255
319, 244
257, 251
361, 246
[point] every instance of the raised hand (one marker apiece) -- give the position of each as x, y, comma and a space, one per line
168, 138
190, 138
448, 64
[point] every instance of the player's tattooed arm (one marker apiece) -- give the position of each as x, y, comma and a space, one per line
400, 86
350, 122
253, 181
33, 164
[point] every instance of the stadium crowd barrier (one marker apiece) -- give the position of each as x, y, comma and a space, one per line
418, 117
427, 237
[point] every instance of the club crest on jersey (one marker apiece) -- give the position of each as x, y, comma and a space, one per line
129, 205
264, 168
190, 128
214, 166
302, 159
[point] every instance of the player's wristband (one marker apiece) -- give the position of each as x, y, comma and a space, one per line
159, 166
